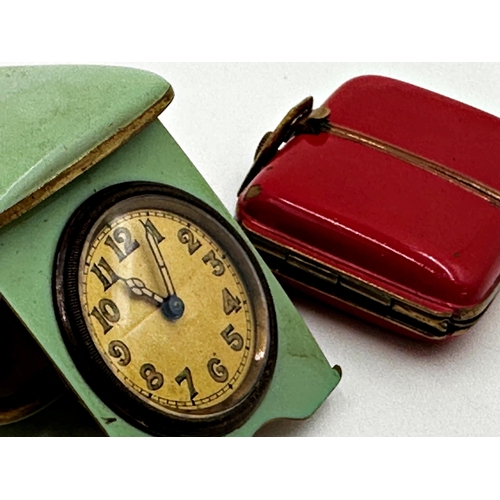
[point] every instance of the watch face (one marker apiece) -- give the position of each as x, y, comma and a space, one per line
165, 310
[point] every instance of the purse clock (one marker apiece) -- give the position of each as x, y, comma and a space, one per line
141, 289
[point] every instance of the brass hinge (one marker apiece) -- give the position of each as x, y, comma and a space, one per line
302, 119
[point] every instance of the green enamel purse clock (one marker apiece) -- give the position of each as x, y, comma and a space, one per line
128, 271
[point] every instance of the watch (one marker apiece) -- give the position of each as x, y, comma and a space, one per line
129, 272
165, 310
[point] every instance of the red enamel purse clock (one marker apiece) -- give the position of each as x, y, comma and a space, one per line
386, 203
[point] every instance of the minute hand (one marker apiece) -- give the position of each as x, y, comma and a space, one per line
160, 262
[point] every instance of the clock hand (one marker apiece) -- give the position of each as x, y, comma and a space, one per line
172, 307
138, 288
160, 262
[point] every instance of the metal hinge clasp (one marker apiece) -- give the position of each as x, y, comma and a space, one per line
302, 119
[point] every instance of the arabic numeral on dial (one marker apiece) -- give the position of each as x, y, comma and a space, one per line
122, 236
217, 265
153, 379
231, 304
105, 274
152, 229
106, 313
186, 237
120, 351
234, 340
217, 371
185, 376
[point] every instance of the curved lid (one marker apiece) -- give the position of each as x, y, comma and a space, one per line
344, 201
56, 122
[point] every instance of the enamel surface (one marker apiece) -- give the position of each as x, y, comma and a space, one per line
52, 116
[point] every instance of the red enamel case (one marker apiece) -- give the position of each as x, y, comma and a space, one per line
384, 202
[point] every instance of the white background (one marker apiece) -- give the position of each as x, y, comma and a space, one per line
392, 386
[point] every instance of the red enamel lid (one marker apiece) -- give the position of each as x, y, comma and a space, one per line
387, 221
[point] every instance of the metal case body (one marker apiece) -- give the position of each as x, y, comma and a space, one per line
392, 214
71, 132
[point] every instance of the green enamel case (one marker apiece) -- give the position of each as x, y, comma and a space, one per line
69, 132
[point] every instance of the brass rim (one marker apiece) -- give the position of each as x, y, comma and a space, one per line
88, 161
303, 119
291, 264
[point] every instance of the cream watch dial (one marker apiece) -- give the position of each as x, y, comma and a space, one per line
166, 312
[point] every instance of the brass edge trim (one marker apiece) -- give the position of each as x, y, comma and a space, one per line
89, 160
304, 265
303, 119
344, 274
415, 331
469, 314
420, 313
367, 290
463, 181
271, 142
442, 326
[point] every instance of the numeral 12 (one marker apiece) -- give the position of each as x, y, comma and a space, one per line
123, 237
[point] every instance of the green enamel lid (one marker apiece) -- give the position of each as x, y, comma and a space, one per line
56, 122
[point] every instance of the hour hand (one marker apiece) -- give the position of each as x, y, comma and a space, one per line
139, 289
